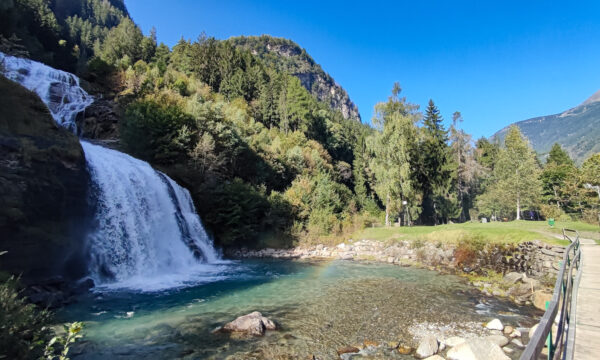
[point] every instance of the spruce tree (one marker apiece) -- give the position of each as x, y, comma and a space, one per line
433, 173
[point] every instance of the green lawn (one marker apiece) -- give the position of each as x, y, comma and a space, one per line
497, 232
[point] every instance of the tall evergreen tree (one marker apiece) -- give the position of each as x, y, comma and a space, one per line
433, 173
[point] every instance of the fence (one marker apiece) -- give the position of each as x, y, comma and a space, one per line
561, 309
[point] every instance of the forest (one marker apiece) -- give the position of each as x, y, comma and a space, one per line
270, 165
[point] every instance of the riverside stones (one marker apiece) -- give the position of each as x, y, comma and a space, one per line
427, 347
497, 339
476, 349
454, 341
495, 324
252, 324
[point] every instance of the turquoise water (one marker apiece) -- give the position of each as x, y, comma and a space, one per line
319, 306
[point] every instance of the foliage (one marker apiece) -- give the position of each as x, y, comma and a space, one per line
72, 334
23, 328
390, 151
515, 182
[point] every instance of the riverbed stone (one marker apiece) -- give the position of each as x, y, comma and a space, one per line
428, 346
497, 339
454, 341
508, 329
517, 343
404, 349
435, 357
347, 350
252, 324
495, 324
476, 349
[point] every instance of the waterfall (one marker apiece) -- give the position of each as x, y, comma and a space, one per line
147, 234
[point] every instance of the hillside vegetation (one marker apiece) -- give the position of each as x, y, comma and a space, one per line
268, 160
288, 57
577, 130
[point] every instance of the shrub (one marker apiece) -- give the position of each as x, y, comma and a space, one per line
467, 250
23, 329
551, 211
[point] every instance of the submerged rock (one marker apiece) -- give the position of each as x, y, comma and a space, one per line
252, 324
347, 350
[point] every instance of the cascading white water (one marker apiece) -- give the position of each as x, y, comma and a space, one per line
59, 90
148, 235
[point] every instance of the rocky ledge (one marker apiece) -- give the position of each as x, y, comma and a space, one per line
529, 268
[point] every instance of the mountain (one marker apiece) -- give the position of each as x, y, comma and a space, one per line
577, 130
287, 56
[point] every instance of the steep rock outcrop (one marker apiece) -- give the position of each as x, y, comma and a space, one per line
43, 188
287, 56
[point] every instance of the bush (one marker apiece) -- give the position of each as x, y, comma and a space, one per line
551, 211
468, 248
23, 329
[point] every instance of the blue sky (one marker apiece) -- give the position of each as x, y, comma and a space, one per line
495, 61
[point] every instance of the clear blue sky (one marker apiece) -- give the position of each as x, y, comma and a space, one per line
495, 61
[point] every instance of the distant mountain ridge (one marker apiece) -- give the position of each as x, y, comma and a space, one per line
577, 130
287, 56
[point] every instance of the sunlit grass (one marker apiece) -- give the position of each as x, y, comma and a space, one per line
494, 232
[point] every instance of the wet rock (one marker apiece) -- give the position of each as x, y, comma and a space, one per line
508, 330
516, 333
347, 350
508, 350
517, 342
495, 324
428, 346
404, 349
477, 349
252, 324
368, 343
497, 339
435, 357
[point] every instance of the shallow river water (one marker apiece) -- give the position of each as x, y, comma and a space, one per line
319, 306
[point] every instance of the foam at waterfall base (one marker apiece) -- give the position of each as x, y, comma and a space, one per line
195, 275
146, 234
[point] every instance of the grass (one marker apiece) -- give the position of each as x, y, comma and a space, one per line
512, 232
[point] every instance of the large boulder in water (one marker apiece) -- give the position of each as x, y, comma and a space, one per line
43, 189
252, 324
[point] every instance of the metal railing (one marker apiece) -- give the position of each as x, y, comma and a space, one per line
562, 309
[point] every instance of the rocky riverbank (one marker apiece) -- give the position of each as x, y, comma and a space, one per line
525, 273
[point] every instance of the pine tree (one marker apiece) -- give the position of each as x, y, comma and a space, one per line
433, 170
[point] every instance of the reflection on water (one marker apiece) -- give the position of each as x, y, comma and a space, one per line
319, 306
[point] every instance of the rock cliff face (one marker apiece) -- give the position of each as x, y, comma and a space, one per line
285, 55
43, 188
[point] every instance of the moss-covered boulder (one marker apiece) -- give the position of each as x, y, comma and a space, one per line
43, 188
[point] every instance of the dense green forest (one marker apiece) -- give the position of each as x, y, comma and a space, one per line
268, 163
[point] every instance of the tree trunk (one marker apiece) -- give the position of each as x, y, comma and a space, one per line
518, 208
387, 211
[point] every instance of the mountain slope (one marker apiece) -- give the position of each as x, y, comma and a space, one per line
577, 130
287, 56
